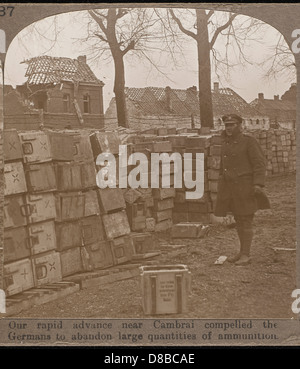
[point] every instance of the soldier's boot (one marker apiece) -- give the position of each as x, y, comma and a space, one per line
236, 257
246, 244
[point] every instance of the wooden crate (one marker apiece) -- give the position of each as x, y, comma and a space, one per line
69, 206
14, 179
105, 142
68, 176
46, 268
40, 177
61, 146
91, 201
12, 149
122, 249
70, 261
18, 277
68, 235
111, 200
97, 255
165, 204
42, 207
35, 146
42, 237
16, 244
92, 229
165, 289
15, 211
116, 224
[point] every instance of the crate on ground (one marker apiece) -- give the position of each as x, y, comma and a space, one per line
122, 249
143, 242
97, 255
46, 268
165, 289
189, 230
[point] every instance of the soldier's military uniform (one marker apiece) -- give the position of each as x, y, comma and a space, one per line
241, 182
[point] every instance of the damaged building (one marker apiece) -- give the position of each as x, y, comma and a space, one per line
59, 92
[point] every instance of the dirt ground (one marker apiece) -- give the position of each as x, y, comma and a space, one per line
259, 290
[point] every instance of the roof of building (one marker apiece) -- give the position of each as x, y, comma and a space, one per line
46, 69
167, 101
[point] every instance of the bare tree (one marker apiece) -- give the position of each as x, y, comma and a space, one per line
120, 31
205, 28
280, 62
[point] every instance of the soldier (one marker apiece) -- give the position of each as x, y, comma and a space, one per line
241, 183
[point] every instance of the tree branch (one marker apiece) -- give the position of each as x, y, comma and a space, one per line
129, 47
182, 29
98, 20
220, 29
101, 37
210, 13
121, 13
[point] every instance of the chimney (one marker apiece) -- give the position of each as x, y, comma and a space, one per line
276, 97
216, 86
82, 59
192, 89
168, 98
260, 96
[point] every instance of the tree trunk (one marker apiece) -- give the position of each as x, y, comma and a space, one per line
118, 57
204, 71
119, 90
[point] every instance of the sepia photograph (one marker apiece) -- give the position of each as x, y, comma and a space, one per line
148, 175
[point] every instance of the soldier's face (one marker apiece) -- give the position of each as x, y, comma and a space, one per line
229, 128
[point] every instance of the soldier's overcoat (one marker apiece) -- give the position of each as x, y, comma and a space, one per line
242, 166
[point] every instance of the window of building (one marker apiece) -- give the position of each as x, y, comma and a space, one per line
257, 121
66, 102
86, 104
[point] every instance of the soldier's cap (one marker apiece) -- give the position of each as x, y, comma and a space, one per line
232, 118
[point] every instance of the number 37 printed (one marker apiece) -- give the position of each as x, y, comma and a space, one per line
6, 11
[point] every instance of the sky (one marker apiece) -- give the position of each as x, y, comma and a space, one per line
247, 81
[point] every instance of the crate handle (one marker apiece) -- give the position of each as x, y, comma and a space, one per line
29, 242
34, 198
44, 271
36, 230
75, 148
26, 210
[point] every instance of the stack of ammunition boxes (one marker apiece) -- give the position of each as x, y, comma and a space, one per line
30, 254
